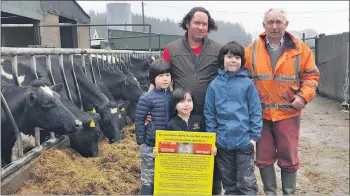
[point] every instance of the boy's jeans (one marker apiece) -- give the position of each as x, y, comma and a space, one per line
237, 170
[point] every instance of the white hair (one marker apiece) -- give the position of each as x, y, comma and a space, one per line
276, 10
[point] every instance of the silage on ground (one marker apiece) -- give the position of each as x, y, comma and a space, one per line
115, 171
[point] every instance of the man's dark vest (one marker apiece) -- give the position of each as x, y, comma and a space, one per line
194, 73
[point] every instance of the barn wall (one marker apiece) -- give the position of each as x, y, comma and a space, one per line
83, 37
50, 35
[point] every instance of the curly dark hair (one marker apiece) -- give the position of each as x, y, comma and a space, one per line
188, 17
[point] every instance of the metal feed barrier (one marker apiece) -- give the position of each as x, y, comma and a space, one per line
107, 56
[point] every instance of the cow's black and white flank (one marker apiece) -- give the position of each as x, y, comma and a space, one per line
92, 97
37, 105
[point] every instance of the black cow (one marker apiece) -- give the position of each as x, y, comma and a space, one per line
34, 106
92, 97
140, 68
120, 86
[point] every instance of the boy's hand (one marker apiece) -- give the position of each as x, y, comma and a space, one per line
215, 151
155, 153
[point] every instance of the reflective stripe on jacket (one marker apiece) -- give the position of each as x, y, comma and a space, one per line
295, 74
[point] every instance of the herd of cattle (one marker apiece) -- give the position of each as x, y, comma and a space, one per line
108, 106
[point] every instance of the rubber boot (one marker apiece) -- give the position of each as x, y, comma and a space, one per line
268, 177
289, 181
146, 190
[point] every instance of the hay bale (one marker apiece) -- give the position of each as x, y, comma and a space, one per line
64, 172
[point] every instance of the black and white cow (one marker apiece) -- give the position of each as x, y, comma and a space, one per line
92, 97
86, 141
37, 105
28, 143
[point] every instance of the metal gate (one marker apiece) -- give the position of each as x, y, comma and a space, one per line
312, 46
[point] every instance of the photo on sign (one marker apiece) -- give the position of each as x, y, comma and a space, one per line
184, 148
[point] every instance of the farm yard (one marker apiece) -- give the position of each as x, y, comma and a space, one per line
72, 80
323, 149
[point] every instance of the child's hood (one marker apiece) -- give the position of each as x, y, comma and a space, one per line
242, 72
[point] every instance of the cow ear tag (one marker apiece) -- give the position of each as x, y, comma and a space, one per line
92, 123
122, 110
93, 110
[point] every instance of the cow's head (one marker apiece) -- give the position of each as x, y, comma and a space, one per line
140, 69
109, 122
85, 142
140, 63
122, 86
130, 88
123, 118
44, 109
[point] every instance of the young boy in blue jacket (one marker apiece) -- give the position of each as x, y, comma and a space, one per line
232, 110
157, 102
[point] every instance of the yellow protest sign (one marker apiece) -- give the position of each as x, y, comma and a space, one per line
184, 164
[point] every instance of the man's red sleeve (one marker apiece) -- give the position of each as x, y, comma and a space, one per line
166, 55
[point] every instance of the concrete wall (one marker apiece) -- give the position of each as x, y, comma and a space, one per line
333, 63
50, 35
83, 37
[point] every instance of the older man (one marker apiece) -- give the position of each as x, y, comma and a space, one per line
286, 76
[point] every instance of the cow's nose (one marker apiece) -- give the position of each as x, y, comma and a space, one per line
78, 124
112, 141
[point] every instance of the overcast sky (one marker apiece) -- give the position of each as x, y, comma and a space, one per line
330, 17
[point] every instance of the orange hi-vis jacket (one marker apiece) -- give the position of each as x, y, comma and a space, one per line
295, 74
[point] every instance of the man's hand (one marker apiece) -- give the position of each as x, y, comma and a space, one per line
148, 119
151, 87
254, 144
299, 102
